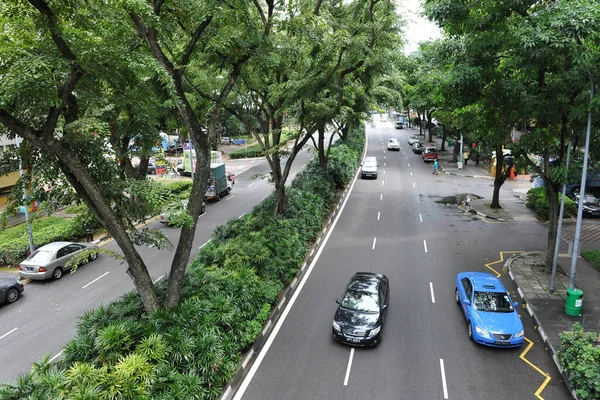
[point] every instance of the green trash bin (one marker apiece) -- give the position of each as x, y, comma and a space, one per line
574, 302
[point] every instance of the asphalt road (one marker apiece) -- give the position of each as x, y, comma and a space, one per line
401, 225
45, 317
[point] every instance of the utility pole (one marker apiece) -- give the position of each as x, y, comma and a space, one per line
582, 186
25, 202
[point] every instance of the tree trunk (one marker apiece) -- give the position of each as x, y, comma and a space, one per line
420, 123
499, 178
321, 148
443, 146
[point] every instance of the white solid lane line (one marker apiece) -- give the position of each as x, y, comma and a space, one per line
420, 218
443, 378
265, 197
251, 184
374, 242
349, 366
159, 278
98, 278
8, 333
241, 215
425, 245
378, 215
230, 197
286, 311
56, 356
205, 243
432, 295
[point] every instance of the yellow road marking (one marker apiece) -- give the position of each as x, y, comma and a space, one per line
502, 253
535, 367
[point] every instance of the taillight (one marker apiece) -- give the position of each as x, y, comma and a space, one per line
42, 269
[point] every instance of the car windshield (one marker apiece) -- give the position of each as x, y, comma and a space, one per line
360, 301
40, 257
492, 302
590, 199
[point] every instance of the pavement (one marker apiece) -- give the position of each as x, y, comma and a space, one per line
527, 269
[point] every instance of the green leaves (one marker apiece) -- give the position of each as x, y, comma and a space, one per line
580, 360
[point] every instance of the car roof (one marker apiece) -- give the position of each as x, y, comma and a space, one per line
54, 246
367, 159
482, 281
393, 140
366, 282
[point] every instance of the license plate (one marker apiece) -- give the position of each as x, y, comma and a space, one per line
29, 268
353, 340
497, 343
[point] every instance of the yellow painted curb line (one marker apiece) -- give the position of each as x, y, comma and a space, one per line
502, 253
535, 367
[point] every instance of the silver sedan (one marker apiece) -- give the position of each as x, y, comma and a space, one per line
50, 261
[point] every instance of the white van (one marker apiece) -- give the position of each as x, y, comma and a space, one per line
368, 168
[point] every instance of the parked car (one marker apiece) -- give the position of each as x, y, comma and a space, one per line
226, 140
10, 290
418, 147
591, 204
429, 154
393, 145
49, 261
399, 125
169, 217
412, 140
361, 312
154, 169
368, 168
230, 177
491, 315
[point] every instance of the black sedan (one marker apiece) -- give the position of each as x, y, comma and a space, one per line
359, 318
10, 290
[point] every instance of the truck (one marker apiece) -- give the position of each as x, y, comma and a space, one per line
218, 184
188, 165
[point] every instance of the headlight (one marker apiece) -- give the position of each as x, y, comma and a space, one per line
336, 326
483, 332
374, 331
519, 334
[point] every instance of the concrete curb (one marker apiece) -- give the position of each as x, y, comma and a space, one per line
508, 266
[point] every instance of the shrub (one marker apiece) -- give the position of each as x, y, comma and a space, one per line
592, 256
538, 202
193, 350
255, 150
580, 361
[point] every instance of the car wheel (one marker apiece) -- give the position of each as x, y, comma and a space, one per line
470, 330
456, 296
92, 257
57, 273
181, 172
12, 295
219, 197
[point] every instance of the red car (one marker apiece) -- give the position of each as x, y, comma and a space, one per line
429, 154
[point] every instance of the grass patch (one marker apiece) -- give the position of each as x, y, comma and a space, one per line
76, 209
593, 257
17, 231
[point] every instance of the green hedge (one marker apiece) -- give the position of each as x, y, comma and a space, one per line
193, 351
580, 361
592, 256
538, 202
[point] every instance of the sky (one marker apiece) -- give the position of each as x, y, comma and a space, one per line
418, 28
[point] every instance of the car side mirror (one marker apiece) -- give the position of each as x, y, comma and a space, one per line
337, 301
515, 304
467, 302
